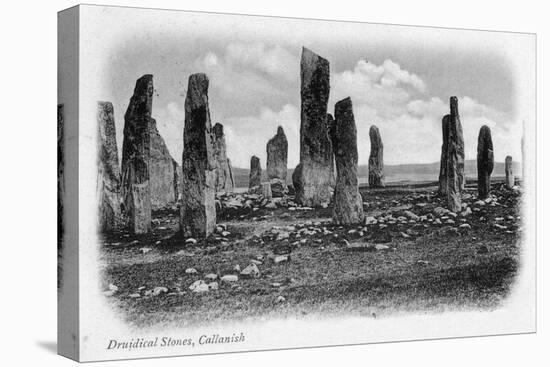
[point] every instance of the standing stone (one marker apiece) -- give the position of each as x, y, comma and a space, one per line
277, 158
136, 155
314, 176
376, 158
452, 168
161, 172
444, 155
177, 180
198, 210
108, 170
224, 174
510, 179
485, 162
454, 119
348, 204
331, 128
255, 178
296, 179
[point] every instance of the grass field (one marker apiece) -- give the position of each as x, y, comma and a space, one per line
407, 258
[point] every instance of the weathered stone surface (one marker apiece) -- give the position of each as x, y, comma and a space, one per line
485, 162
510, 179
277, 158
108, 169
296, 179
255, 177
376, 158
136, 155
314, 177
177, 180
162, 172
454, 119
444, 155
265, 190
60, 173
347, 203
224, 173
455, 147
198, 210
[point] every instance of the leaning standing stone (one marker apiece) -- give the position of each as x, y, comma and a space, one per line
376, 158
348, 204
136, 156
485, 162
444, 155
314, 177
198, 210
108, 170
255, 177
510, 180
277, 157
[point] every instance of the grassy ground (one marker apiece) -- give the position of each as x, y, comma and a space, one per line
427, 267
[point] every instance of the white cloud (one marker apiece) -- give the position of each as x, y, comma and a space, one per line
410, 120
386, 95
275, 61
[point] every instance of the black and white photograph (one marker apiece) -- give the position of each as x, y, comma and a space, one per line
294, 171
315, 183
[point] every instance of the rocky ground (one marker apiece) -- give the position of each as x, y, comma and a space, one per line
273, 258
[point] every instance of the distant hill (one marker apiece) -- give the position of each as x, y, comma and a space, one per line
394, 173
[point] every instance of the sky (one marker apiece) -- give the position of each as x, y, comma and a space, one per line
399, 79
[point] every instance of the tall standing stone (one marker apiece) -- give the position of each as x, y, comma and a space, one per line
162, 172
224, 174
348, 204
454, 119
198, 210
136, 155
277, 158
314, 176
444, 155
255, 177
510, 179
376, 158
452, 169
485, 162
108, 169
